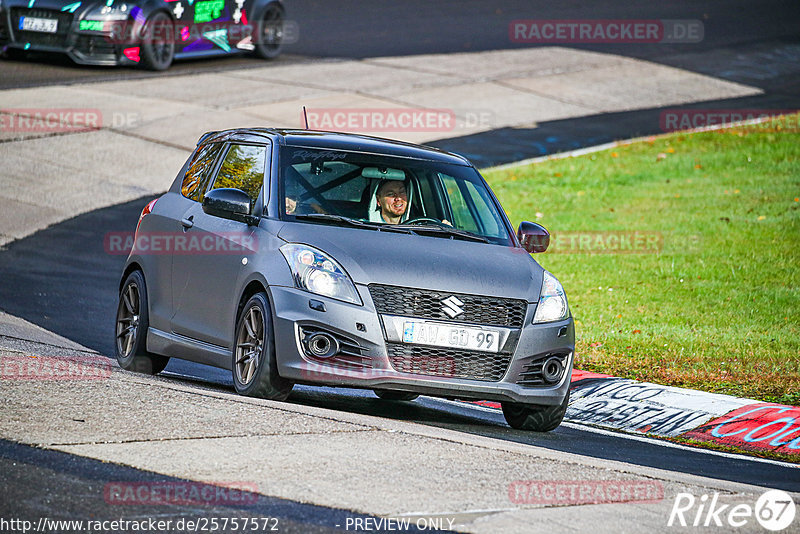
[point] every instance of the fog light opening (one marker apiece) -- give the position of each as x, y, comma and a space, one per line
552, 370
322, 345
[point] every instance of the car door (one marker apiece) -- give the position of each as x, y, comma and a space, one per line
164, 225
207, 266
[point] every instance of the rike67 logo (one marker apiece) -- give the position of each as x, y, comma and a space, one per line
774, 510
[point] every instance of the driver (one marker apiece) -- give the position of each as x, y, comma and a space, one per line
392, 198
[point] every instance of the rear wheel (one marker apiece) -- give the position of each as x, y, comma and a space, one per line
255, 371
269, 33
131, 329
390, 395
158, 42
535, 417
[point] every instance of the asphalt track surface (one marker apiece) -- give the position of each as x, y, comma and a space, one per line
61, 278
75, 485
754, 43
358, 29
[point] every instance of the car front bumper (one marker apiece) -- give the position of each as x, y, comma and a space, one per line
365, 360
82, 47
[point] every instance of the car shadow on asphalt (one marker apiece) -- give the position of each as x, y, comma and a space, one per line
63, 279
37, 483
507, 145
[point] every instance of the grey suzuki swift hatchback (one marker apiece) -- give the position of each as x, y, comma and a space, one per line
297, 256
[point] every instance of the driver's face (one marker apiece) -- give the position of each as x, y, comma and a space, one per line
392, 199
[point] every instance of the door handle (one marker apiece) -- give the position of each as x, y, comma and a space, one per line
188, 222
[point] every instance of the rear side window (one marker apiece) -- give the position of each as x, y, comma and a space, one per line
197, 177
243, 168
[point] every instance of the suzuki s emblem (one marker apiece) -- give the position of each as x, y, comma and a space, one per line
452, 307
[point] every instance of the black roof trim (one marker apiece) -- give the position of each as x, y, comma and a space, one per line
341, 141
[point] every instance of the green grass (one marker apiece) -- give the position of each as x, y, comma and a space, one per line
718, 306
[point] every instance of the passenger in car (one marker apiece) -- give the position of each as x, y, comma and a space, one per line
291, 205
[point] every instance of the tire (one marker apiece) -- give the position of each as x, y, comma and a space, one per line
389, 395
158, 42
131, 329
255, 371
537, 418
268, 39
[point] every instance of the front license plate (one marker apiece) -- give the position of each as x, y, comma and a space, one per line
35, 24
457, 337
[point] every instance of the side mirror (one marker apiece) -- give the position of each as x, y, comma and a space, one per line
229, 203
533, 237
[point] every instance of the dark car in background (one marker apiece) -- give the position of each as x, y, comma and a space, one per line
266, 258
149, 33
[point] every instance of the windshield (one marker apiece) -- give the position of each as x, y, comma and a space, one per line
390, 193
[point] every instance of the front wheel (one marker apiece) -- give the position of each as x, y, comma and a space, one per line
535, 417
269, 33
255, 371
158, 42
131, 330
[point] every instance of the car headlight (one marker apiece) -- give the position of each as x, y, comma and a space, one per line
317, 272
552, 301
106, 12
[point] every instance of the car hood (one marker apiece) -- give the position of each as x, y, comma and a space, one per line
437, 263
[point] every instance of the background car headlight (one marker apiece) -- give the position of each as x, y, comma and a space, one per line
112, 12
552, 301
315, 271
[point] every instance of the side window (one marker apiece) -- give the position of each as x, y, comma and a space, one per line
480, 199
198, 175
243, 168
462, 216
471, 209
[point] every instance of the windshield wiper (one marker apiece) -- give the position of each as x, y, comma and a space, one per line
441, 229
328, 217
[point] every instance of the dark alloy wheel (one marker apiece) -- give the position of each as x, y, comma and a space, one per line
390, 395
269, 33
537, 418
131, 329
158, 42
255, 371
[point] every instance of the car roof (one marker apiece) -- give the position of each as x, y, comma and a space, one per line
339, 141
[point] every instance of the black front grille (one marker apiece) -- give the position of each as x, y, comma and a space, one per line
57, 39
4, 37
96, 46
449, 363
427, 304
